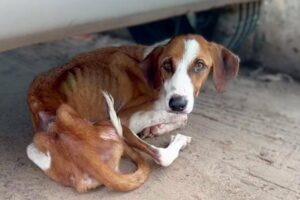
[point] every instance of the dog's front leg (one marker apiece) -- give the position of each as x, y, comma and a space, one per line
157, 122
143, 119
163, 128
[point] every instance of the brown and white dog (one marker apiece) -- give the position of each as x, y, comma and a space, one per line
152, 90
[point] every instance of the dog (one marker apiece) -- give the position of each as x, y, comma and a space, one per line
87, 113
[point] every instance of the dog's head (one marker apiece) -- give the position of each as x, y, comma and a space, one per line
180, 66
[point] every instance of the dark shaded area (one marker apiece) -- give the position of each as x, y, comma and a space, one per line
242, 17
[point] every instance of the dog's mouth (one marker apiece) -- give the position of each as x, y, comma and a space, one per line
186, 110
178, 112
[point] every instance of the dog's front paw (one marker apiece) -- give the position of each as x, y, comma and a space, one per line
181, 139
166, 156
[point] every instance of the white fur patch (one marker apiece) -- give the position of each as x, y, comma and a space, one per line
43, 161
168, 155
180, 83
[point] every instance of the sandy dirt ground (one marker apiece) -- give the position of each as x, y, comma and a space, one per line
246, 141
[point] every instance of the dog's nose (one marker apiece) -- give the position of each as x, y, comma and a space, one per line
178, 103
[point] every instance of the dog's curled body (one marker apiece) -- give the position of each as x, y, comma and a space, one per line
79, 142
72, 123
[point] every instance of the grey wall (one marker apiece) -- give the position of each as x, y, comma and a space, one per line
276, 42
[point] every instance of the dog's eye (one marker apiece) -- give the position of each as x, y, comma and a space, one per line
167, 65
199, 66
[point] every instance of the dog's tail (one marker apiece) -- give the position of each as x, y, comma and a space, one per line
112, 113
85, 155
141, 174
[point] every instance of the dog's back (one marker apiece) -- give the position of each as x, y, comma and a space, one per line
80, 82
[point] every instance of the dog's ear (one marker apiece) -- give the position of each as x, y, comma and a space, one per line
151, 68
225, 66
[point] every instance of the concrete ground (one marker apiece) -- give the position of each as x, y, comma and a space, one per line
246, 141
